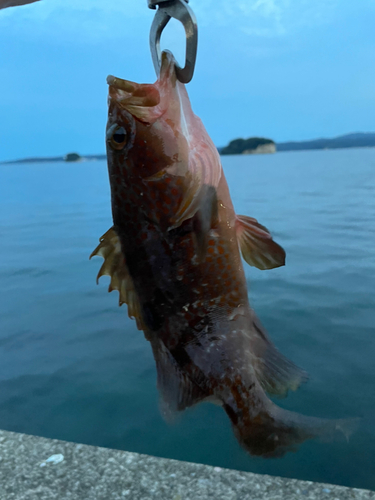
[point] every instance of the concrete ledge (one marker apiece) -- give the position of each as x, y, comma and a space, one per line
80, 472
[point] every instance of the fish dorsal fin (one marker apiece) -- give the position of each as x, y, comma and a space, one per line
256, 244
176, 390
275, 373
114, 265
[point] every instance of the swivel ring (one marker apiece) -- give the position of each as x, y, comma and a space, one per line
178, 9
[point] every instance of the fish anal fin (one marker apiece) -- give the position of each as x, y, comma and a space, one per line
177, 391
275, 373
114, 266
256, 244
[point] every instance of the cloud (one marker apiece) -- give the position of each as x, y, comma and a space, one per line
266, 17
94, 20
82, 19
263, 17
48, 8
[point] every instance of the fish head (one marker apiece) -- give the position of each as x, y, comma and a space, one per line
153, 136
144, 134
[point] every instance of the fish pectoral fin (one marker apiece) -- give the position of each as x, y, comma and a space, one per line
114, 265
204, 220
203, 171
275, 373
177, 391
256, 244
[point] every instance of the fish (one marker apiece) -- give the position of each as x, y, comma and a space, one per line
174, 254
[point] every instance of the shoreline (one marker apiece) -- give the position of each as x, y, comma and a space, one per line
36, 467
61, 159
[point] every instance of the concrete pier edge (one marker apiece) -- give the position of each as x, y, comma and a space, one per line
37, 468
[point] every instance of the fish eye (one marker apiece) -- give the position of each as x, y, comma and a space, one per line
119, 138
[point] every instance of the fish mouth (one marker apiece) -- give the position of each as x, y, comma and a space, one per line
144, 101
167, 68
128, 93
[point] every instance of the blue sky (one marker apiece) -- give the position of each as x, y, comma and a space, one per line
284, 69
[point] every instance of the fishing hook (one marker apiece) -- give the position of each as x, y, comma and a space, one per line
177, 9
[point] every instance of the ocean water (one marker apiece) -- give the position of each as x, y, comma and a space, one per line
74, 367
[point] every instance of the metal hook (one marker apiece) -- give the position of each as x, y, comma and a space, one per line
178, 9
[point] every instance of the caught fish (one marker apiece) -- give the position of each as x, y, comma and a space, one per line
174, 255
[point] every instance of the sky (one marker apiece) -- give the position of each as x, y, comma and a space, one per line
282, 69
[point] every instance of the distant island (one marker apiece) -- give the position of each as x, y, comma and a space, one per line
72, 157
261, 145
253, 145
357, 140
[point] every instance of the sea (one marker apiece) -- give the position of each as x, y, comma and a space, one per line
73, 366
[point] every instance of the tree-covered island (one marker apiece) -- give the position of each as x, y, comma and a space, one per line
72, 157
253, 145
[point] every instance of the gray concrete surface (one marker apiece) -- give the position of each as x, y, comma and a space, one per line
34, 468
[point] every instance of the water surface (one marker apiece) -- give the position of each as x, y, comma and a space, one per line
74, 367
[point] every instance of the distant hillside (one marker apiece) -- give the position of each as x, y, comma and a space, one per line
44, 159
252, 145
52, 159
245, 146
357, 140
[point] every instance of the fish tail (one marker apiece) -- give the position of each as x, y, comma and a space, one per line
273, 431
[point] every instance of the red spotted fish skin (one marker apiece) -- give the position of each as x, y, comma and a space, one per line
177, 228
183, 301
173, 287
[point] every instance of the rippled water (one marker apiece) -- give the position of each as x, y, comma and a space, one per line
74, 367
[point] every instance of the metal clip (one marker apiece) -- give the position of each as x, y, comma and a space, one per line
178, 9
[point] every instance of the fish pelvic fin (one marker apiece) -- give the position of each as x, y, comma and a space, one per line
270, 431
176, 390
114, 265
275, 373
257, 246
